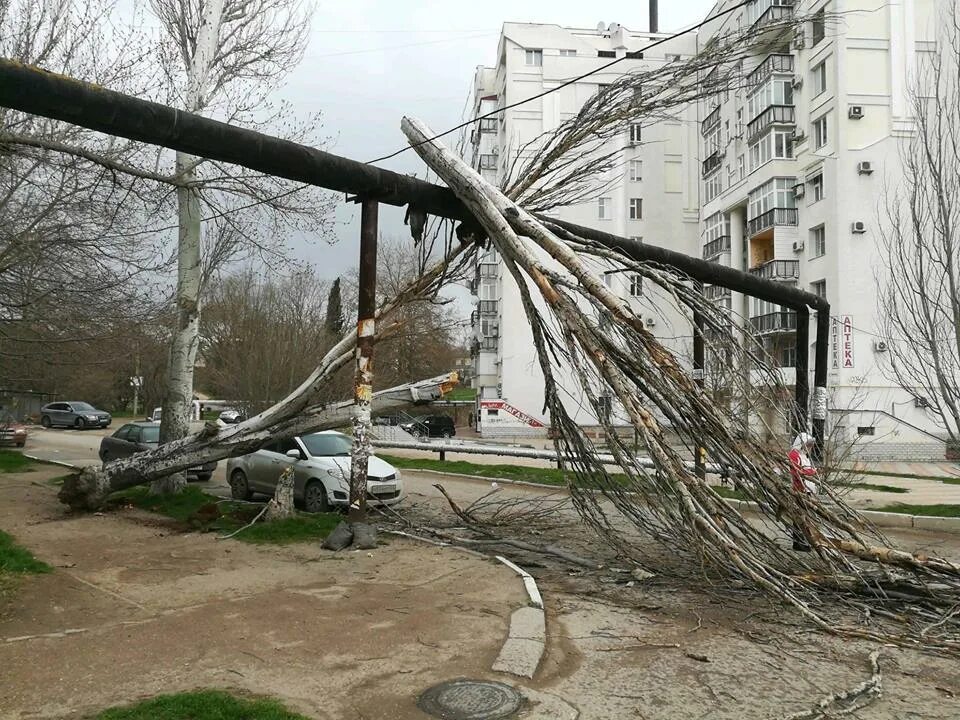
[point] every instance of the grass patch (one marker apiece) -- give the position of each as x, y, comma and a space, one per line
206, 512
729, 493
925, 510
461, 393
543, 476
951, 481
15, 559
13, 461
201, 705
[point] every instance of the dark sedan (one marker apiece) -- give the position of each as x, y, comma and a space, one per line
75, 414
140, 436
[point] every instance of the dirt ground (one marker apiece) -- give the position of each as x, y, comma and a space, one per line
136, 607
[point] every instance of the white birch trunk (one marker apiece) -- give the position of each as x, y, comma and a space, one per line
175, 418
281, 506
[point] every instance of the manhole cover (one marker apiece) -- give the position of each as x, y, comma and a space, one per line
470, 700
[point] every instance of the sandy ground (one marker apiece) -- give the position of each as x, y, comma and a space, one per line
359, 635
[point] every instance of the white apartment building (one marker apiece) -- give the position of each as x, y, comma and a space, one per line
653, 196
794, 165
782, 176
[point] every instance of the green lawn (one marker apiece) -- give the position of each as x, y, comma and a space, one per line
951, 481
728, 493
544, 476
461, 393
926, 510
14, 461
15, 559
203, 511
201, 705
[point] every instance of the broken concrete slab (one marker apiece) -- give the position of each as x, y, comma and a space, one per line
528, 623
519, 657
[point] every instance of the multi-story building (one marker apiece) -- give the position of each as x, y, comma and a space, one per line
651, 196
794, 164
785, 173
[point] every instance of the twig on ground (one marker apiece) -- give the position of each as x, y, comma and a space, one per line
847, 702
249, 524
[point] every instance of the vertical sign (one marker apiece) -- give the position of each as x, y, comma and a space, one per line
847, 334
841, 342
835, 343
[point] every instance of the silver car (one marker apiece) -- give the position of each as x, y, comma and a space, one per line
75, 414
321, 464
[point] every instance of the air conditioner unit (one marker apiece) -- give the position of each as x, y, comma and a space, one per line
650, 322
880, 346
798, 135
855, 112
798, 245
865, 167
797, 82
799, 190
858, 227
921, 402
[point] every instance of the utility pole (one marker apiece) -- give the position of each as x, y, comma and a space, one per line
363, 379
654, 19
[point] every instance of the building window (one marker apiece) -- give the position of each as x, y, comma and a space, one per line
493, 412
568, 53
776, 193
740, 123
636, 170
636, 208
787, 356
741, 166
820, 79
820, 136
819, 288
816, 188
819, 26
712, 187
534, 58
634, 133
775, 145
604, 208
778, 90
603, 408
818, 241
488, 162
606, 53
866, 430
636, 285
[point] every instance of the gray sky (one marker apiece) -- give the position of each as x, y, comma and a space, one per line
370, 62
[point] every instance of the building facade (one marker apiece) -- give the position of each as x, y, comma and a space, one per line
652, 195
782, 176
795, 162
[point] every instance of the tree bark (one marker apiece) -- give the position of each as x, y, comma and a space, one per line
281, 506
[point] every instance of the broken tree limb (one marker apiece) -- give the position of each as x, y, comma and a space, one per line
848, 701
280, 506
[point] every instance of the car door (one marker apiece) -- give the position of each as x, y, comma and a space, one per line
300, 469
61, 414
267, 465
120, 444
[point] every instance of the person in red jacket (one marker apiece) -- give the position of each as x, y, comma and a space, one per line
802, 473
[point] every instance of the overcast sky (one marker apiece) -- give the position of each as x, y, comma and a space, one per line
370, 62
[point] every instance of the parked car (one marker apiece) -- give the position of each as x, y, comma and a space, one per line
80, 415
11, 431
155, 415
232, 416
136, 437
431, 426
321, 464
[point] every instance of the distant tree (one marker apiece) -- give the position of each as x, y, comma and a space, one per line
919, 283
335, 320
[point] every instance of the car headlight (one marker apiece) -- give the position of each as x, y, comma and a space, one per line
20, 431
92, 417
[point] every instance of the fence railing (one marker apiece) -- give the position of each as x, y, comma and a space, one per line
712, 163
772, 64
715, 247
772, 218
781, 321
773, 115
777, 270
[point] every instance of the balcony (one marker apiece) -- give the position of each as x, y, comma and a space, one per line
777, 11
488, 125
774, 217
488, 162
489, 270
711, 121
715, 247
491, 344
715, 292
773, 115
488, 307
712, 163
772, 64
777, 270
783, 321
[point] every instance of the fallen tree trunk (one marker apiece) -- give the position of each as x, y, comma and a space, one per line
88, 489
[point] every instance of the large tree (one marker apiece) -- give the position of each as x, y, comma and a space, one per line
919, 283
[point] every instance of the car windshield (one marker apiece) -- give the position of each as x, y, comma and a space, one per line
82, 406
150, 434
327, 444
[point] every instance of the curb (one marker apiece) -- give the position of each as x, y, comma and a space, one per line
527, 639
932, 523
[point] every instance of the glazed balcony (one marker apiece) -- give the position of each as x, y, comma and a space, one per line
711, 121
775, 217
778, 10
783, 321
777, 270
776, 63
773, 115
717, 247
712, 163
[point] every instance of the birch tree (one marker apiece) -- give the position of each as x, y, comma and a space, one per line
919, 283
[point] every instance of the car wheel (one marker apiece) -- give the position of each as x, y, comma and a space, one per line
204, 477
45, 421
315, 497
239, 487
446, 435
80, 424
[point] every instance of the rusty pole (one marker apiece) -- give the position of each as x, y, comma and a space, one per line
363, 380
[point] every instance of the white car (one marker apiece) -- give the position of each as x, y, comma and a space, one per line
321, 464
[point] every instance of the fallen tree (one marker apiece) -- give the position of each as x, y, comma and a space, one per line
297, 414
670, 502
